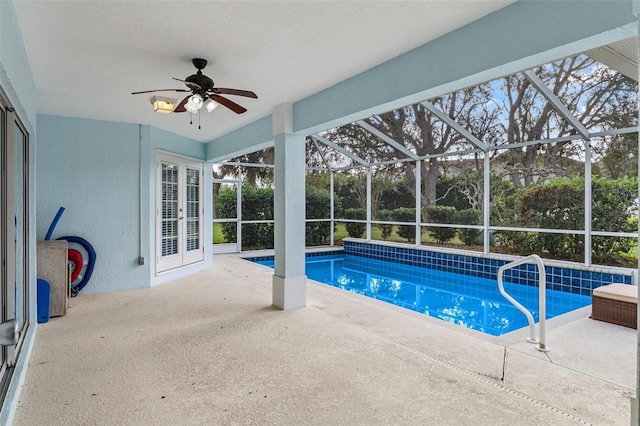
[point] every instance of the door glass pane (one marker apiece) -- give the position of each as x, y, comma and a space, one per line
19, 221
6, 246
193, 209
169, 209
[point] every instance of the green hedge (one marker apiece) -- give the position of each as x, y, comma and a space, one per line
257, 204
318, 206
559, 204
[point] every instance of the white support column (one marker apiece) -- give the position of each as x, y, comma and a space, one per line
239, 212
368, 203
587, 203
289, 280
486, 203
418, 202
332, 201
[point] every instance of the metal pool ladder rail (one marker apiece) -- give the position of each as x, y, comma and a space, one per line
534, 258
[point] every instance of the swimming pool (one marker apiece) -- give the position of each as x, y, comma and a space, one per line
469, 301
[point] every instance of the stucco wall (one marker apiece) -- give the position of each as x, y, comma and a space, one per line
103, 173
15, 73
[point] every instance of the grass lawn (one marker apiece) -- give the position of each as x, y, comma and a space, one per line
218, 238
341, 232
376, 234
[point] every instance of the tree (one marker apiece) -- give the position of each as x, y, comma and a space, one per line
252, 175
354, 186
599, 97
618, 158
422, 132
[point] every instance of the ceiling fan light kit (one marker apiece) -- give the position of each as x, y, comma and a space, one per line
203, 92
194, 103
210, 104
163, 105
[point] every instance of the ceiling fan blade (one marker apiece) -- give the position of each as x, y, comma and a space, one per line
192, 86
180, 107
237, 92
160, 90
229, 104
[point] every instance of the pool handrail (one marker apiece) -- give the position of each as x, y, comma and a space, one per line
542, 285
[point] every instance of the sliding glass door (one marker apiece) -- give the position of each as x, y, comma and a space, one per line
14, 233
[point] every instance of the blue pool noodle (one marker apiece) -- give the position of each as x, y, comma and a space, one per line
54, 223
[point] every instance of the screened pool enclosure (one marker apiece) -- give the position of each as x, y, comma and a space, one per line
542, 161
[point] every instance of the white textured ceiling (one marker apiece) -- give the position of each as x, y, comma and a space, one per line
621, 56
88, 56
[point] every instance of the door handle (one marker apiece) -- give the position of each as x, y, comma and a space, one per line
9, 332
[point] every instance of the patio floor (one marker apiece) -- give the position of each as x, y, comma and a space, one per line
209, 349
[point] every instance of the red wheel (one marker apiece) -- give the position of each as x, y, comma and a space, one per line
75, 261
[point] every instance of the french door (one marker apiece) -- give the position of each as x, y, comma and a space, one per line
179, 212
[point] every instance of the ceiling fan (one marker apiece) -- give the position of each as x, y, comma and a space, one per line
204, 93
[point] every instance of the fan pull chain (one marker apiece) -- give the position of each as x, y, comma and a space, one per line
199, 118
190, 118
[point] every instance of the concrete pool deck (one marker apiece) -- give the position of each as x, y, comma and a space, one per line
210, 349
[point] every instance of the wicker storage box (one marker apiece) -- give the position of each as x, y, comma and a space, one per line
617, 304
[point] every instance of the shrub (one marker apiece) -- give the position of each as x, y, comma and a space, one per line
318, 206
469, 217
257, 204
387, 229
355, 229
613, 209
441, 214
257, 236
226, 208
405, 214
522, 243
559, 204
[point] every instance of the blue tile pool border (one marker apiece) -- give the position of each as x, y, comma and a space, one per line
309, 254
561, 276
571, 278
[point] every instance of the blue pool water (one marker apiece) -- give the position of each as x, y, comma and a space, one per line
472, 302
